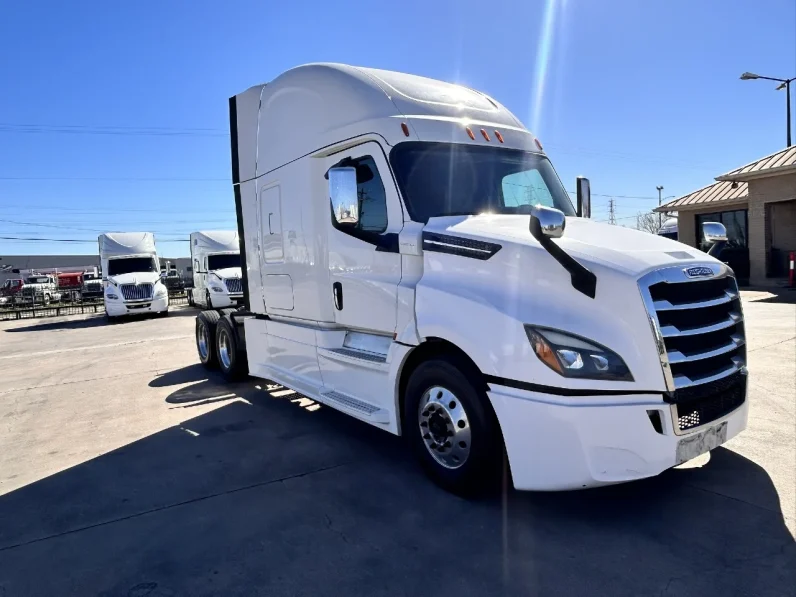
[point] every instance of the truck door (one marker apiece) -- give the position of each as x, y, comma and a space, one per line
364, 263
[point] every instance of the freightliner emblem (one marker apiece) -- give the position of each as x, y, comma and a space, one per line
698, 272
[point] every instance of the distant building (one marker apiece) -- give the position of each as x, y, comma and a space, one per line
757, 204
71, 263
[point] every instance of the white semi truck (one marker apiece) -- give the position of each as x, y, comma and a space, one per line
131, 274
412, 259
217, 276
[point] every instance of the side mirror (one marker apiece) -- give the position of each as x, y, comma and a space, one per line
343, 195
584, 197
714, 232
546, 222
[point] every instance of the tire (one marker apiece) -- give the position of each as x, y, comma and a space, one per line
208, 301
46, 299
470, 460
206, 323
189, 296
231, 359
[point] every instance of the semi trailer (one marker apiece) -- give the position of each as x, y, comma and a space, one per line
411, 258
217, 276
131, 274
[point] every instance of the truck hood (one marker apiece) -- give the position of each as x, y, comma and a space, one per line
228, 272
136, 278
630, 251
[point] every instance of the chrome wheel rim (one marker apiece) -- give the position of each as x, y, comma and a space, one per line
202, 341
223, 349
444, 427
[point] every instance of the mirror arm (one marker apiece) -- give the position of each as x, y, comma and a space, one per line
716, 249
583, 279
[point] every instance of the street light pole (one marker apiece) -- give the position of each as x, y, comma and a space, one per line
783, 83
660, 215
787, 95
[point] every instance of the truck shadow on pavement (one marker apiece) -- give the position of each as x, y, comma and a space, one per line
271, 493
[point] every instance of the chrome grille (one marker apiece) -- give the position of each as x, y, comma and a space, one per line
136, 292
699, 328
234, 285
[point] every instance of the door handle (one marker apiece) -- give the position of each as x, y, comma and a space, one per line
269, 223
337, 289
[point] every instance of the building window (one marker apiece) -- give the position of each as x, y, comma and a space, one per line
734, 221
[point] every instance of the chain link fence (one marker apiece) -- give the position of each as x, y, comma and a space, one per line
22, 308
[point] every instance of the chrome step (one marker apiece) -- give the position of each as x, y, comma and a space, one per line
360, 354
370, 411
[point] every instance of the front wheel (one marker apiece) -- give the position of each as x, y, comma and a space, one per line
452, 428
206, 323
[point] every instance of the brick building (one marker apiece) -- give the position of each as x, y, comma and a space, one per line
757, 204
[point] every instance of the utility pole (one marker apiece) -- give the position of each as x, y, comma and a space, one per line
660, 215
611, 211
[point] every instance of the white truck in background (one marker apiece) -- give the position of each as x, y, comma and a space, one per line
131, 273
217, 276
411, 258
39, 289
92, 285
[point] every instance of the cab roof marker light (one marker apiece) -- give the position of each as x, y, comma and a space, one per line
485, 134
538, 144
405, 129
470, 133
499, 136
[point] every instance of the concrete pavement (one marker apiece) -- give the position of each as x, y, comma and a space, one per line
126, 470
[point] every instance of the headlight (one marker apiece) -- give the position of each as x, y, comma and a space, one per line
161, 291
572, 356
216, 289
111, 296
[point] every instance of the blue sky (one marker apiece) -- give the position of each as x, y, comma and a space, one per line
631, 94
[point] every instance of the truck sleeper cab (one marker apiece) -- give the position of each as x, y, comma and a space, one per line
217, 276
412, 259
131, 274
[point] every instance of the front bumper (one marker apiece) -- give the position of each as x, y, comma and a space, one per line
221, 300
559, 442
119, 308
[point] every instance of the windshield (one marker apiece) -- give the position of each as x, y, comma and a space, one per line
131, 265
38, 280
444, 179
215, 262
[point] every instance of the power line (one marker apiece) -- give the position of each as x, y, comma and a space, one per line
76, 240
106, 211
615, 196
117, 179
72, 129
169, 222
